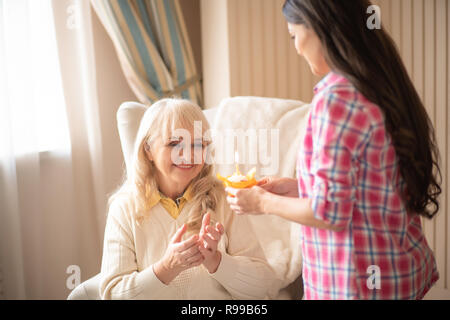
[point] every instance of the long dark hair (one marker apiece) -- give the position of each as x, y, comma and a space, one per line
370, 61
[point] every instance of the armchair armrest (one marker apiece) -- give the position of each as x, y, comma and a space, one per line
87, 290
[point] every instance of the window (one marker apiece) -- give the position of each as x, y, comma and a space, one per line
30, 84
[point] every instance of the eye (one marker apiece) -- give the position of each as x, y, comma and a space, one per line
173, 143
292, 37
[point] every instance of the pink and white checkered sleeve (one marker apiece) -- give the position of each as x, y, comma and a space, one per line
340, 130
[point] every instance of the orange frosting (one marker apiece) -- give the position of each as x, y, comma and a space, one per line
238, 181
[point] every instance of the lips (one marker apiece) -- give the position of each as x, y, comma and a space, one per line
184, 166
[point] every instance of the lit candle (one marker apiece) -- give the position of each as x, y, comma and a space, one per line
236, 160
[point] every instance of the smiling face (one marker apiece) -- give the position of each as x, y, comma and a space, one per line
308, 45
177, 160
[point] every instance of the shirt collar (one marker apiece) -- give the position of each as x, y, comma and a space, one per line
157, 196
326, 81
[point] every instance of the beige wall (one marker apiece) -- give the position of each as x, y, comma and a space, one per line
263, 58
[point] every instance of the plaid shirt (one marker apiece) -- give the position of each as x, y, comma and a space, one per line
348, 168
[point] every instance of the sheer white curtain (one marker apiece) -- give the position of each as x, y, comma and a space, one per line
52, 198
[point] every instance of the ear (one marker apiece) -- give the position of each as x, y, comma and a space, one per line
147, 151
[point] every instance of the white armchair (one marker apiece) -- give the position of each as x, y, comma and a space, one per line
281, 120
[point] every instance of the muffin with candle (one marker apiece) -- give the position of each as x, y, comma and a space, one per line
237, 179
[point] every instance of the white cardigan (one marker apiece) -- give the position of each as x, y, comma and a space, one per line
131, 249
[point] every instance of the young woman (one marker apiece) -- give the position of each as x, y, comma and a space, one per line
147, 251
367, 169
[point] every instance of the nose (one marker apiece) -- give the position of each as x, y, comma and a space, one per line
186, 155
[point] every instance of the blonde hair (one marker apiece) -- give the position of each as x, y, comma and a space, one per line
160, 120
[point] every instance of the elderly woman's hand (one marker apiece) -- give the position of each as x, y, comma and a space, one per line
179, 256
209, 240
246, 201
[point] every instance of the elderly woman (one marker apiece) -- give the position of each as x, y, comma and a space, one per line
170, 233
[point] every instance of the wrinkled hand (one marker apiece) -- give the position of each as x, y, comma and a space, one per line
209, 238
182, 255
246, 201
286, 187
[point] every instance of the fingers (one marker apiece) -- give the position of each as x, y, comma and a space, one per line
236, 209
190, 252
232, 200
199, 247
209, 242
183, 246
269, 184
206, 252
192, 261
220, 228
263, 181
231, 191
206, 219
178, 234
198, 257
214, 233
205, 222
